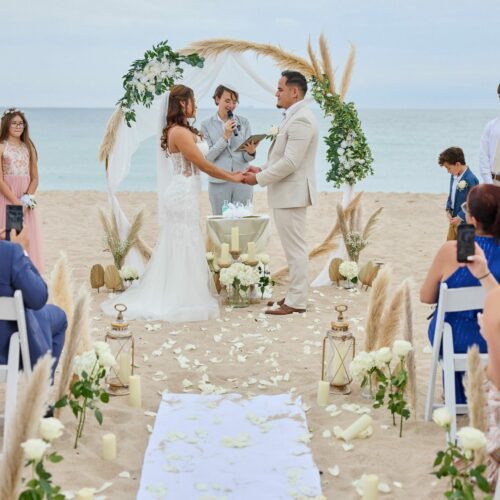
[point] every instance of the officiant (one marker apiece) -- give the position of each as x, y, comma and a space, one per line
225, 132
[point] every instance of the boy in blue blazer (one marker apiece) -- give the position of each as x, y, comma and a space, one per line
461, 181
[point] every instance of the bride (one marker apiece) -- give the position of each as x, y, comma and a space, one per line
176, 285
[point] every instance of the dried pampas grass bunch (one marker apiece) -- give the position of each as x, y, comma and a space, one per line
408, 329
80, 341
376, 306
61, 289
391, 321
30, 408
118, 248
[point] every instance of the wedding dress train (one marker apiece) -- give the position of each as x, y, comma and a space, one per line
177, 285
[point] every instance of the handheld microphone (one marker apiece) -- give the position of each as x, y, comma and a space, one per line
230, 115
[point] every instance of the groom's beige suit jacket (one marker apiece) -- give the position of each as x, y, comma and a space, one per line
290, 178
289, 172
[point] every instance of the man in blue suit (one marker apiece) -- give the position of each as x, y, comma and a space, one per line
46, 323
461, 182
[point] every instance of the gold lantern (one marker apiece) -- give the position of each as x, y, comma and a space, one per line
121, 343
338, 352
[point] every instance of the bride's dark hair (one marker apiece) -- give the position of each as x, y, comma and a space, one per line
175, 114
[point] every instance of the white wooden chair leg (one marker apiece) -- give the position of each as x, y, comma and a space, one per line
429, 400
11, 389
449, 378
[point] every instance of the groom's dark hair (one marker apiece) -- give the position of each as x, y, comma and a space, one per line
295, 79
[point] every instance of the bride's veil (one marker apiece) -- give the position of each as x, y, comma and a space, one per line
164, 166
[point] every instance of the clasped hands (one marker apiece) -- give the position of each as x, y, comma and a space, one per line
250, 176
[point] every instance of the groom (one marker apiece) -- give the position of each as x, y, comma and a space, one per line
290, 177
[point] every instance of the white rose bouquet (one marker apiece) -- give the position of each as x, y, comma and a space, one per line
128, 273
349, 270
238, 278
28, 200
91, 368
456, 462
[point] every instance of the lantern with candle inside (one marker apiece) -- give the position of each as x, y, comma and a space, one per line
121, 343
338, 352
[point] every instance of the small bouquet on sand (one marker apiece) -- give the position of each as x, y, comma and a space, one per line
28, 200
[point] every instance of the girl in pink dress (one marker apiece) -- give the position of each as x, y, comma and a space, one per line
19, 177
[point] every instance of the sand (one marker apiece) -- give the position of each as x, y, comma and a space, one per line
411, 228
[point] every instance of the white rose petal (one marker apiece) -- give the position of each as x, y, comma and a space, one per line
334, 471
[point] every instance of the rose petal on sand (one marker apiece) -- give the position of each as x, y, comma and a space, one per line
327, 434
334, 471
384, 488
347, 447
125, 474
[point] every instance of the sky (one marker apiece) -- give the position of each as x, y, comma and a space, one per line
420, 54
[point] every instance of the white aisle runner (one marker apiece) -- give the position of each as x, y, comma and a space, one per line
211, 447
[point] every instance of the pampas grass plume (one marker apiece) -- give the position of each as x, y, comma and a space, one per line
61, 289
408, 329
376, 306
30, 408
391, 321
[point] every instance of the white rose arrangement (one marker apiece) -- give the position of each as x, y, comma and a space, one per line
153, 76
392, 382
265, 283
456, 462
349, 270
91, 368
28, 200
239, 275
35, 450
462, 185
128, 273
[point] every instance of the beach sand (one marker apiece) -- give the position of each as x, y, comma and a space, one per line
411, 228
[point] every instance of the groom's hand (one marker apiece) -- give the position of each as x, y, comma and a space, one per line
250, 178
254, 170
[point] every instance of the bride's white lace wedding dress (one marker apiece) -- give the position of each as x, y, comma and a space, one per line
177, 285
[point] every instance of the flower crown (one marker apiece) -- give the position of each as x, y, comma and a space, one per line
10, 112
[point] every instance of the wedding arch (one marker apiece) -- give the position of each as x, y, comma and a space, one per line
201, 65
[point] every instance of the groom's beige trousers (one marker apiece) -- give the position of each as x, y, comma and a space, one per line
291, 226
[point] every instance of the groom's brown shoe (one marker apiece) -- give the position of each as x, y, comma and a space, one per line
279, 302
284, 309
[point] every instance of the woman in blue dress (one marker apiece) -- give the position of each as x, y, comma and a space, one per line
483, 211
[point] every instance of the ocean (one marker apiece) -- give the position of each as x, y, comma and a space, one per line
405, 144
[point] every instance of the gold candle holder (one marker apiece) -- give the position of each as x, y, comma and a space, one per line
223, 263
252, 263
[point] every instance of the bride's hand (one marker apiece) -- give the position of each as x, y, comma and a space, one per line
237, 177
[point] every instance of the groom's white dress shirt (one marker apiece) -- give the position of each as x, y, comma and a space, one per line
489, 152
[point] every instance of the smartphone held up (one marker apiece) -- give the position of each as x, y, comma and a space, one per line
465, 242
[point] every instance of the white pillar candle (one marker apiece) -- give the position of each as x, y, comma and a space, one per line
251, 251
135, 399
357, 427
224, 253
370, 487
109, 446
124, 367
340, 376
235, 239
323, 392
85, 494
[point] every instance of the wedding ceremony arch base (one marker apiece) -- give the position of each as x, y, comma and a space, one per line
229, 447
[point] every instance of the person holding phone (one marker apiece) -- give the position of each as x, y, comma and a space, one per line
225, 132
482, 210
19, 179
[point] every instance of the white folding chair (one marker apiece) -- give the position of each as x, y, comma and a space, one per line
12, 309
450, 300
9, 375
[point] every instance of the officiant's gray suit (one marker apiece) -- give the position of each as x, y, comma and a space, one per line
289, 175
223, 154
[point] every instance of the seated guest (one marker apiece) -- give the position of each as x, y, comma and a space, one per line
483, 211
490, 328
46, 324
461, 182
219, 132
